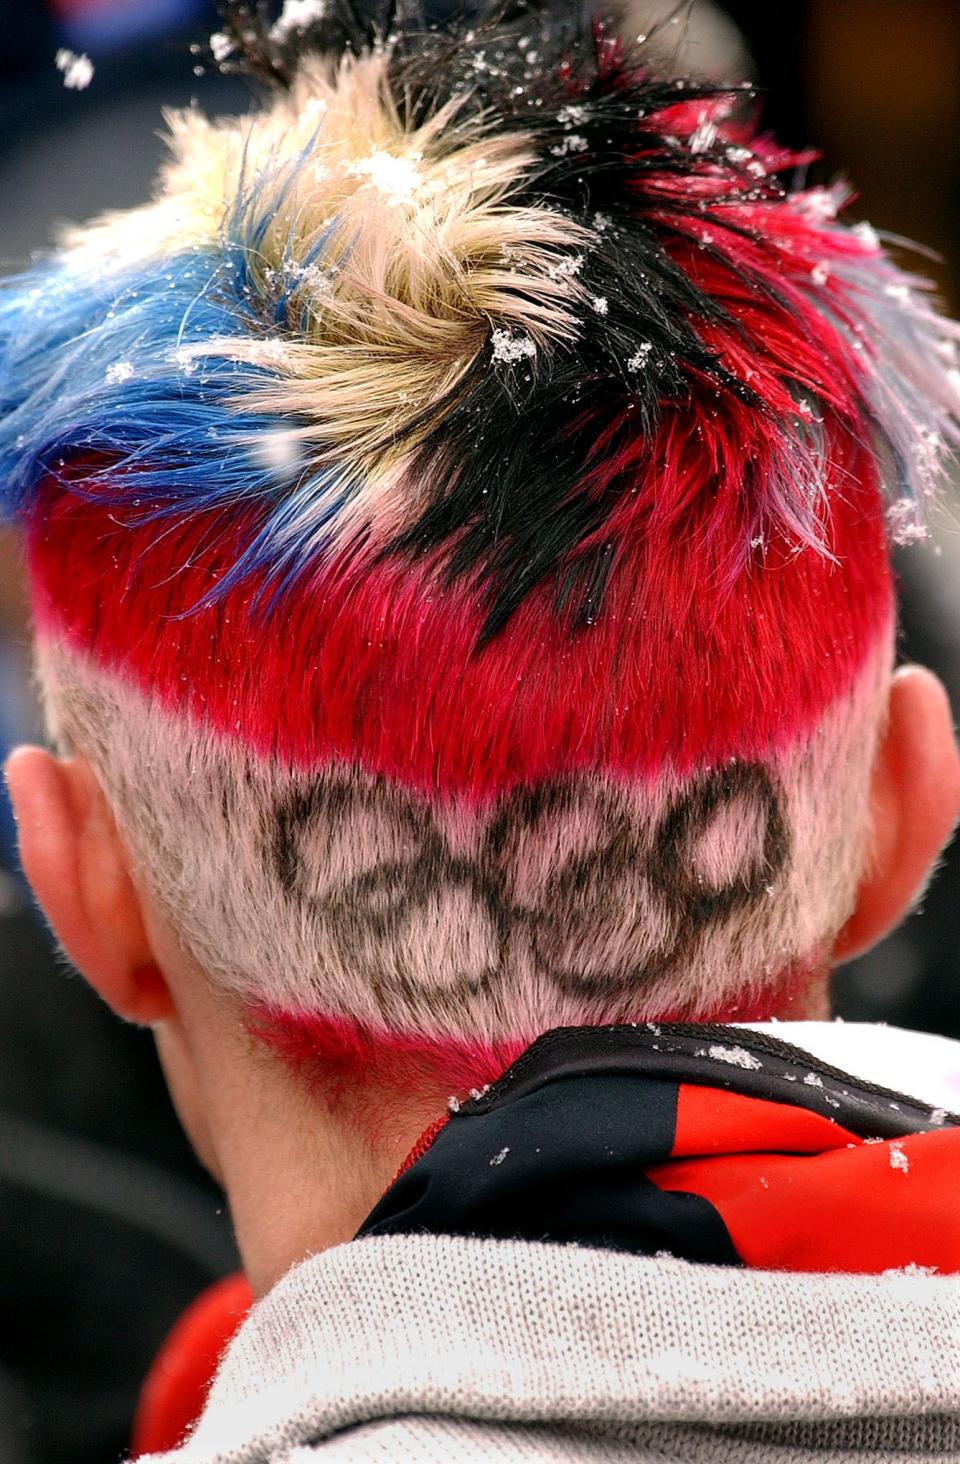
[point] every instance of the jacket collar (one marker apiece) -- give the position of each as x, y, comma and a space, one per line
710, 1143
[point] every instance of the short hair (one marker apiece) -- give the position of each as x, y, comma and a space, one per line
458, 513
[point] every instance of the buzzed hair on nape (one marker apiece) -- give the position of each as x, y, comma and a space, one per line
580, 899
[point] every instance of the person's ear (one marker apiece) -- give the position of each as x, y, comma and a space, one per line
78, 868
914, 802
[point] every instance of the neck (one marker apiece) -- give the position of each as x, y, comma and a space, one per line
300, 1174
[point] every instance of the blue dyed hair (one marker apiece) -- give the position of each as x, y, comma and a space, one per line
102, 370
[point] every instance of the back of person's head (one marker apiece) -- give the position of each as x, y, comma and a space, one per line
458, 512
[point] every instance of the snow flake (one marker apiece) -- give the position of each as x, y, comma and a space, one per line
867, 235
574, 142
736, 1057
905, 523
600, 305
268, 352
898, 1158
567, 267
398, 179
928, 452
221, 46
296, 15
819, 204
820, 273
499, 1158
812, 1081
938, 1116
572, 116
77, 70
186, 358
119, 372
512, 348
641, 356
315, 278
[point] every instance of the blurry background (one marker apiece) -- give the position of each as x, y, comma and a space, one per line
107, 1226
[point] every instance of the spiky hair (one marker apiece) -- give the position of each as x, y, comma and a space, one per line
482, 422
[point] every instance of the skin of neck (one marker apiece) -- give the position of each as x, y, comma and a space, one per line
300, 1173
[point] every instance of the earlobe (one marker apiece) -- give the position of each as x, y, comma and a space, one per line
77, 867
915, 798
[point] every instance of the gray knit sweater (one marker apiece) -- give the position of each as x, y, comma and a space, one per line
439, 1348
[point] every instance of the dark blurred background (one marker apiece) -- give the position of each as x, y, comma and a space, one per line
108, 1228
